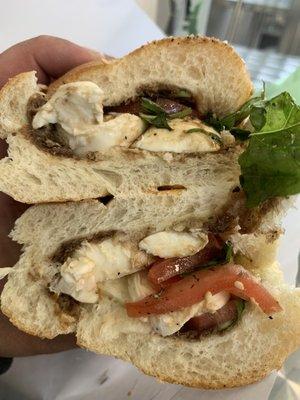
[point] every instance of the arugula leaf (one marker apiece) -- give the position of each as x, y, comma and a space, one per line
270, 165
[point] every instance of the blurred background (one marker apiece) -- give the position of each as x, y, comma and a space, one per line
265, 32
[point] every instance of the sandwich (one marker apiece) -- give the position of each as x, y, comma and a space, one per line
179, 293
134, 124
169, 259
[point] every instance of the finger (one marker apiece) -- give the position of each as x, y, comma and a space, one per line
50, 56
14, 343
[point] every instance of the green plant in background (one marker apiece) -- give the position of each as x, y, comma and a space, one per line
192, 18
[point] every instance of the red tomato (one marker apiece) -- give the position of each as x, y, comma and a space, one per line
209, 321
165, 269
192, 289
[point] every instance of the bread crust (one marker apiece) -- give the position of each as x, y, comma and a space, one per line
215, 59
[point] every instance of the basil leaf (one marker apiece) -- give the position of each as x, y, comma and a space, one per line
226, 257
236, 118
270, 165
241, 134
210, 120
195, 130
216, 138
228, 249
182, 93
155, 115
160, 120
181, 114
240, 307
150, 106
254, 107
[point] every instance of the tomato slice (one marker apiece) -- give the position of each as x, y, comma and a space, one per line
210, 321
192, 289
165, 269
162, 285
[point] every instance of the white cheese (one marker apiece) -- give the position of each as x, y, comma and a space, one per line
173, 244
78, 280
116, 289
98, 262
121, 130
139, 286
78, 108
179, 140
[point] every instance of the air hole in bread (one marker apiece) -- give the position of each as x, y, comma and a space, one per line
3, 148
106, 199
170, 187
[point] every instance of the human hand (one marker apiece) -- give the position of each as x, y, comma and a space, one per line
51, 57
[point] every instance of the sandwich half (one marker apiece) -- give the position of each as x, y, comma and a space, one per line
169, 287
139, 124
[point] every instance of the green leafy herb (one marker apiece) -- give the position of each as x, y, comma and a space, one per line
240, 307
253, 108
150, 106
228, 249
270, 165
213, 121
241, 134
182, 93
181, 114
160, 120
225, 257
258, 117
155, 115
195, 130
216, 138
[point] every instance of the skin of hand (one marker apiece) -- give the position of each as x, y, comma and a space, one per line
50, 57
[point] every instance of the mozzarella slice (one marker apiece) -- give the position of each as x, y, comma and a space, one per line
121, 130
173, 244
116, 289
139, 286
179, 140
98, 262
78, 280
76, 106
